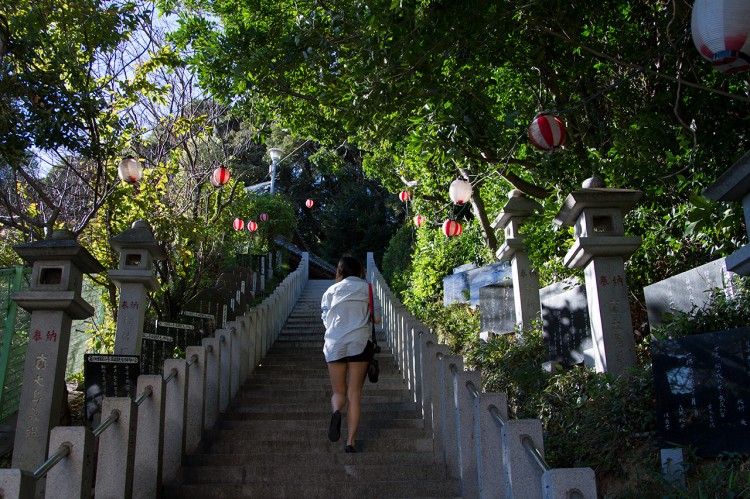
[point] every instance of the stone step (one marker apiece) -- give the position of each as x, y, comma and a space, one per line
295, 424
264, 446
273, 440
312, 474
293, 489
284, 458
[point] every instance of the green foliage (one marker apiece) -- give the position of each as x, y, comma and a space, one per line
725, 308
434, 257
281, 221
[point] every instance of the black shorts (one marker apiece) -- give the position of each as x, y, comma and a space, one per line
366, 356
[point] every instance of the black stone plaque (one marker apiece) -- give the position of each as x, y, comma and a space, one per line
565, 322
702, 386
497, 313
108, 376
683, 292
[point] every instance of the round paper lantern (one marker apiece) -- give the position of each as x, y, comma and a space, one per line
404, 196
213, 181
130, 170
238, 224
721, 32
264, 217
309, 203
419, 220
452, 228
547, 133
252, 226
221, 175
460, 191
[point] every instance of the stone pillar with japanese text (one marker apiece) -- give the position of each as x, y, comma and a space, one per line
600, 249
54, 300
525, 279
135, 278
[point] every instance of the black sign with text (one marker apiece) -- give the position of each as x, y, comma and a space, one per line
108, 376
702, 387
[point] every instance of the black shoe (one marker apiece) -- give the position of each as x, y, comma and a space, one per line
349, 449
334, 428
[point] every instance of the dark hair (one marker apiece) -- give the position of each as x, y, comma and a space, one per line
348, 267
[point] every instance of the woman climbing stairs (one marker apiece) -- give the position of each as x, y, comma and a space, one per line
272, 441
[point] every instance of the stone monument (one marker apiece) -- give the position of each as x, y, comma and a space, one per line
734, 185
600, 248
525, 279
54, 300
135, 278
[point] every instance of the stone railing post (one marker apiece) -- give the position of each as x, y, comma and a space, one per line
234, 331
450, 365
437, 383
225, 373
74, 475
149, 437
490, 463
467, 400
196, 392
116, 450
522, 475
213, 389
175, 404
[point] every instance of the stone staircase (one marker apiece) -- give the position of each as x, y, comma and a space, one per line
272, 442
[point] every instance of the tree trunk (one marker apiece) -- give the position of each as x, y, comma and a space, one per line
477, 205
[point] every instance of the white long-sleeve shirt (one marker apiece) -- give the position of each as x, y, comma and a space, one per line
346, 314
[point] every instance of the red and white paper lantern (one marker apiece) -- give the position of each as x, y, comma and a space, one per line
252, 226
452, 228
220, 176
238, 224
263, 217
721, 32
309, 203
547, 133
130, 170
419, 220
460, 191
404, 196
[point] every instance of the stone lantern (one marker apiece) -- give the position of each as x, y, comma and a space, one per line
600, 249
734, 185
135, 278
54, 301
525, 279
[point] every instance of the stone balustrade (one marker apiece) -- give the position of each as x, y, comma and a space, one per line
493, 456
140, 440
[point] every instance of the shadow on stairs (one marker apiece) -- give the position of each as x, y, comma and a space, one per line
272, 441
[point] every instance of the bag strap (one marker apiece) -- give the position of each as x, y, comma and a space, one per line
372, 315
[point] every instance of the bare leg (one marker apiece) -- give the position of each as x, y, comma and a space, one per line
337, 374
357, 373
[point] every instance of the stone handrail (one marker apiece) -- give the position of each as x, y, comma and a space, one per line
491, 455
142, 448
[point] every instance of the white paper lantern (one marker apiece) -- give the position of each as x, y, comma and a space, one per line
460, 191
130, 170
